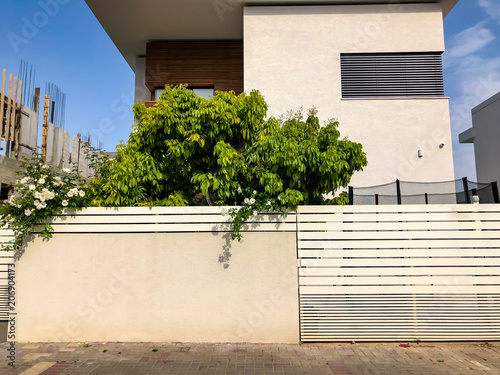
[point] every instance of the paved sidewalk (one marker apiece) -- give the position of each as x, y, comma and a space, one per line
185, 358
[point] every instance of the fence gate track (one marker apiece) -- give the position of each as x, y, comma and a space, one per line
399, 273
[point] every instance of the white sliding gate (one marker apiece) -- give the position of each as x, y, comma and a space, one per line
398, 273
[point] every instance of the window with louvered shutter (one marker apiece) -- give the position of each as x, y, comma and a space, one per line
378, 75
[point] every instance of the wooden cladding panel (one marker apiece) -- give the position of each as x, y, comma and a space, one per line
201, 63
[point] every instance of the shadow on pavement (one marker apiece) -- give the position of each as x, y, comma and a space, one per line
3, 331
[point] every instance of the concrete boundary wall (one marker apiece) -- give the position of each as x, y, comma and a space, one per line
179, 285
174, 274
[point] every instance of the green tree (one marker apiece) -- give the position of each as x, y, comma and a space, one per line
225, 150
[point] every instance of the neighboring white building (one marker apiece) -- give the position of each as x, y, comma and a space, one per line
485, 135
373, 65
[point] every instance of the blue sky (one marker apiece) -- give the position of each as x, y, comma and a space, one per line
471, 69
73, 51
69, 48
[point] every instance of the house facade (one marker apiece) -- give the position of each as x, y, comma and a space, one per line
374, 65
485, 135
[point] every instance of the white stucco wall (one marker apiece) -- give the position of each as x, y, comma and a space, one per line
486, 123
142, 93
158, 287
292, 55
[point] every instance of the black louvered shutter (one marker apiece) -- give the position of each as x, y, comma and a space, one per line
376, 75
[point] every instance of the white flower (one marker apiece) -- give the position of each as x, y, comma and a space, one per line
246, 200
279, 198
70, 194
268, 203
45, 166
255, 213
57, 178
32, 187
81, 193
66, 170
239, 190
36, 203
254, 192
42, 199
46, 195
64, 203
252, 200
224, 212
25, 180
40, 205
41, 181
28, 212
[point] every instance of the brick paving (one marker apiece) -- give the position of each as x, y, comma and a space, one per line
255, 359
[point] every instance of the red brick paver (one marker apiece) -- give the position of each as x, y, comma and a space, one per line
253, 359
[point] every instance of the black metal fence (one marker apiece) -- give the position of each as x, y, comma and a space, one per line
460, 191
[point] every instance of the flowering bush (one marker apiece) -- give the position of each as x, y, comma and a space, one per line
40, 194
253, 203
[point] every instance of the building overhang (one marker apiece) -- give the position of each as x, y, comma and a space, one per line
132, 23
467, 136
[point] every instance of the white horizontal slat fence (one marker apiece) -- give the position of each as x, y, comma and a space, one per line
163, 220
399, 273
6, 258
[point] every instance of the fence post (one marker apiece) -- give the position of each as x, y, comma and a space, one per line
45, 126
351, 195
426, 198
376, 199
398, 190
494, 187
466, 189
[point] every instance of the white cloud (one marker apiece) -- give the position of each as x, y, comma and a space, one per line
493, 9
469, 41
472, 77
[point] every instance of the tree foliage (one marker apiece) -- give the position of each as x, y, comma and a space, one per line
187, 148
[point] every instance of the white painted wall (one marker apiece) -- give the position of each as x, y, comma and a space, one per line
142, 93
292, 55
486, 122
158, 287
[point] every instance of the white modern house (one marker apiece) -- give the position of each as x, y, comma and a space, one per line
374, 65
485, 135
